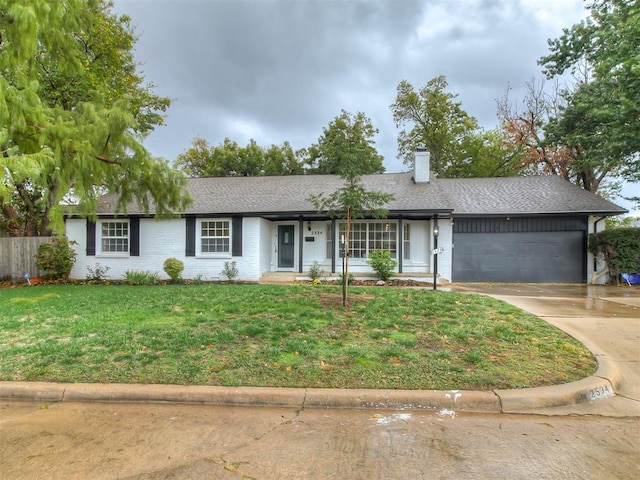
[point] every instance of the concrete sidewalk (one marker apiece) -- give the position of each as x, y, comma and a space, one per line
606, 321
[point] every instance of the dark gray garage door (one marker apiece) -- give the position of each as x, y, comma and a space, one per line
519, 256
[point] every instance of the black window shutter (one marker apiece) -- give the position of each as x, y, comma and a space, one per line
190, 250
134, 236
236, 236
91, 238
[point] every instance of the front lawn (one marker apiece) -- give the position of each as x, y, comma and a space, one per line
286, 336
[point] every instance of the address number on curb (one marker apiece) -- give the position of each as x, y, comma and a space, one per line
599, 393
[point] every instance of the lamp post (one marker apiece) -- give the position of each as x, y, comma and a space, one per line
436, 231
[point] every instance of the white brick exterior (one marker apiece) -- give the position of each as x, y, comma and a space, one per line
162, 239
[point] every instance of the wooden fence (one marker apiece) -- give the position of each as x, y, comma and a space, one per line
17, 256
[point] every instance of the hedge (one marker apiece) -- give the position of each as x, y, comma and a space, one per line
620, 248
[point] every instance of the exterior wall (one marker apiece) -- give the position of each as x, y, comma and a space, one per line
266, 245
162, 239
445, 240
316, 250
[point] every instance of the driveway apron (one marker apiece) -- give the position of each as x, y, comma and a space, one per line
605, 318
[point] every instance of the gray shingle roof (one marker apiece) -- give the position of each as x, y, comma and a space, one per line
464, 196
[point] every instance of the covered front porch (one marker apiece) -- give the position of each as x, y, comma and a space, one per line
304, 242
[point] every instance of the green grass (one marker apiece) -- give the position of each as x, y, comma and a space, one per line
293, 336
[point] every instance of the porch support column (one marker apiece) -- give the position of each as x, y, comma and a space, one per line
400, 244
301, 243
334, 243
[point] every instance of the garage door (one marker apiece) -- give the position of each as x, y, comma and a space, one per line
554, 255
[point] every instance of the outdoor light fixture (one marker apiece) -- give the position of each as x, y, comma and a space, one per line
309, 226
436, 230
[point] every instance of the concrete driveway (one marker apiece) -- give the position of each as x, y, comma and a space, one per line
605, 318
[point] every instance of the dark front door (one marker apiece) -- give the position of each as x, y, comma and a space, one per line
286, 246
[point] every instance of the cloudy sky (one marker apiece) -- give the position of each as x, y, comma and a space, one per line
281, 70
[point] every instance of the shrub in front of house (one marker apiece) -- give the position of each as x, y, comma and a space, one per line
315, 271
173, 267
230, 271
140, 277
383, 263
56, 257
620, 248
97, 273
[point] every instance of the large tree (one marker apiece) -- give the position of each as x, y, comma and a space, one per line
600, 123
523, 129
230, 159
350, 156
73, 114
437, 122
340, 138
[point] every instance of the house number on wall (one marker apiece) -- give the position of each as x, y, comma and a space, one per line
316, 232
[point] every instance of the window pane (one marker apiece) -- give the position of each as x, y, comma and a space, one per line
383, 236
365, 237
214, 236
115, 237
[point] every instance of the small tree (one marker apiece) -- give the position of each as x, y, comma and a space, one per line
349, 151
56, 257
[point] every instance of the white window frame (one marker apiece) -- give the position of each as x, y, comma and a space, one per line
112, 224
406, 241
363, 244
226, 225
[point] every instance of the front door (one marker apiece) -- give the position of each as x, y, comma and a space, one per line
286, 246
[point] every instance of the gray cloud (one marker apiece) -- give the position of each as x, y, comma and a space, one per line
281, 70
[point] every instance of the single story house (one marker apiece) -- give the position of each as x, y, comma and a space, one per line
518, 229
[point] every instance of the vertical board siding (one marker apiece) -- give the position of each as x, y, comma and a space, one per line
17, 256
519, 224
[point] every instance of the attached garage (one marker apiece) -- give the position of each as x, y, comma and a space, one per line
522, 249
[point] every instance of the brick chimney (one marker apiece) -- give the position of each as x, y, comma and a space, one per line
421, 164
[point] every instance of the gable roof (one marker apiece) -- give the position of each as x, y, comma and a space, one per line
282, 195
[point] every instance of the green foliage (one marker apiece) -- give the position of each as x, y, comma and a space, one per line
352, 156
231, 160
620, 248
56, 257
73, 111
346, 138
173, 267
600, 118
458, 146
230, 271
97, 273
383, 263
315, 271
141, 277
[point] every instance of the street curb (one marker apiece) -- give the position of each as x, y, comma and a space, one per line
599, 386
499, 401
